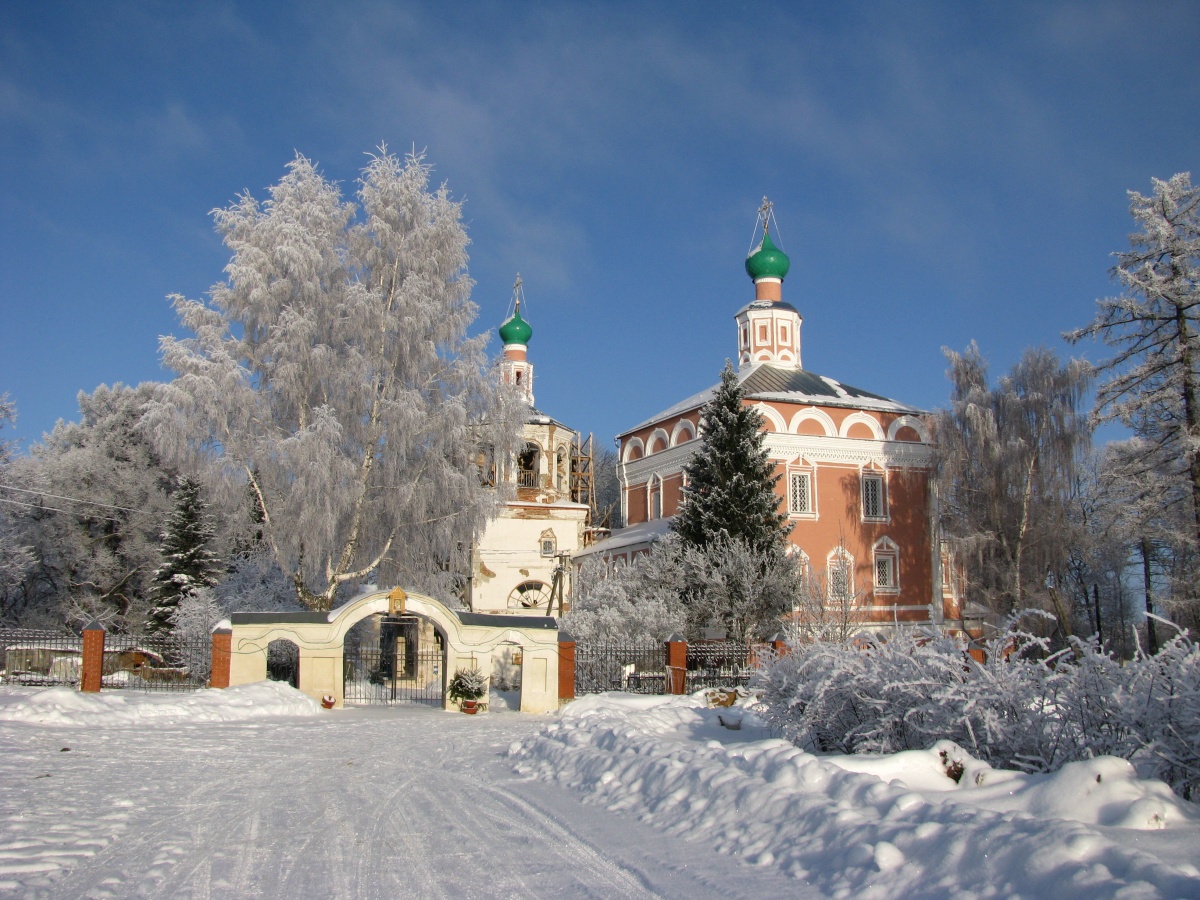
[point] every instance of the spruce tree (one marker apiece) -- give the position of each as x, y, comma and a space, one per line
730, 493
189, 563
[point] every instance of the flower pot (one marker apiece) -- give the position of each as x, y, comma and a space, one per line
327, 701
470, 707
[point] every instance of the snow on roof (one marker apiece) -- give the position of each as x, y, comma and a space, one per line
642, 533
762, 381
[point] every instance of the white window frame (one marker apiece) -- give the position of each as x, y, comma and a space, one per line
801, 475
886, 553
869, 477
654, 498
800, 467
839, 558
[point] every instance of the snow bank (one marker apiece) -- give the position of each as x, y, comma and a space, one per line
884, 826
67, 706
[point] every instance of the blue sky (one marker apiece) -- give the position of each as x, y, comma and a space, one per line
940, 172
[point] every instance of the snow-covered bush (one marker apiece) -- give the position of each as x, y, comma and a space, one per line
1025, 708
1160, 702
636, 601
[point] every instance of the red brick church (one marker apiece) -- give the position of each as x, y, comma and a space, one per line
856, 466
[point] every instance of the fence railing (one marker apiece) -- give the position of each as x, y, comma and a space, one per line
719, 664
148, 663
639, 668
645, 667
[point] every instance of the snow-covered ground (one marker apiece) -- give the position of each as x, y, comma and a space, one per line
255, 791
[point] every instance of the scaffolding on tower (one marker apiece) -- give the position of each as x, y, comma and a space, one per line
583, 486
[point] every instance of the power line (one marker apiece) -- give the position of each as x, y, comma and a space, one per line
9, 487
69, 512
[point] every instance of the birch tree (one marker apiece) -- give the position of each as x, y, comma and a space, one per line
1006, 471
1152, 383
331, 371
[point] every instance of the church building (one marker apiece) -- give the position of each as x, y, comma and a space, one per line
516, 560
855, 466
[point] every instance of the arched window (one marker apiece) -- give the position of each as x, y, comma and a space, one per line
529, 595
529, 464
839, 575
887, 566
654, 498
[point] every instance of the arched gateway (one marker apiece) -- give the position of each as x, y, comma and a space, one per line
459, 639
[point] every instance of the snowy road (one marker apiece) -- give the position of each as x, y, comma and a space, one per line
357, 803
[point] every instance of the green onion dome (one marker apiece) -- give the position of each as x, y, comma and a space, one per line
768, 261
516, 330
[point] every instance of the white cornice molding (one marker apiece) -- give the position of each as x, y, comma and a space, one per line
783, 448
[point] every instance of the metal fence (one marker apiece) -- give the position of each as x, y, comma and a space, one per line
641, 667
637, 667
718, 664
39, 658
145, 663
372, 677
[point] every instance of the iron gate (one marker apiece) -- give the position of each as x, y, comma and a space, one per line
399, 669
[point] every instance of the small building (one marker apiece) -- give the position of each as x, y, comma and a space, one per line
854, 465
515, 559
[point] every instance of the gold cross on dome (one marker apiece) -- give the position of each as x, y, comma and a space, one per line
764, 212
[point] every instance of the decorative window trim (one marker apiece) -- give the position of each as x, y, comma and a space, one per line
654, 492
873, 496
548, 543
886, 566
839, 560
796, 473
803, 563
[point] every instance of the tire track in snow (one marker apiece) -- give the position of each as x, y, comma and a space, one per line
628, 882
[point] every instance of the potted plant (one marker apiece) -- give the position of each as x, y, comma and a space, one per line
466, 687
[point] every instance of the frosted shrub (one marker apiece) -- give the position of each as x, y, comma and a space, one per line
1160, 702
865, 696
1025, 708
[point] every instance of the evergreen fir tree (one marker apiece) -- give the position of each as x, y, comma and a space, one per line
730, 494
189, 563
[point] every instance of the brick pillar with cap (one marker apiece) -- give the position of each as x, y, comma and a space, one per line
222, 656
93, 657
566, 667
676, 650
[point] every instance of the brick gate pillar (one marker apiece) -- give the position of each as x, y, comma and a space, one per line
676, 648
222, 655
92, 663
566, 667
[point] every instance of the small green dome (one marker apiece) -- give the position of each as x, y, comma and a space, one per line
516, 330
768, 261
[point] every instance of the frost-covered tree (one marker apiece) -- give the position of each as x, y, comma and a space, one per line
332, 372
1006, 463
190, 623
608, 489
730, 492
744, 589
15, 555
1152, 383
96, 493
631, 601
189, 561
